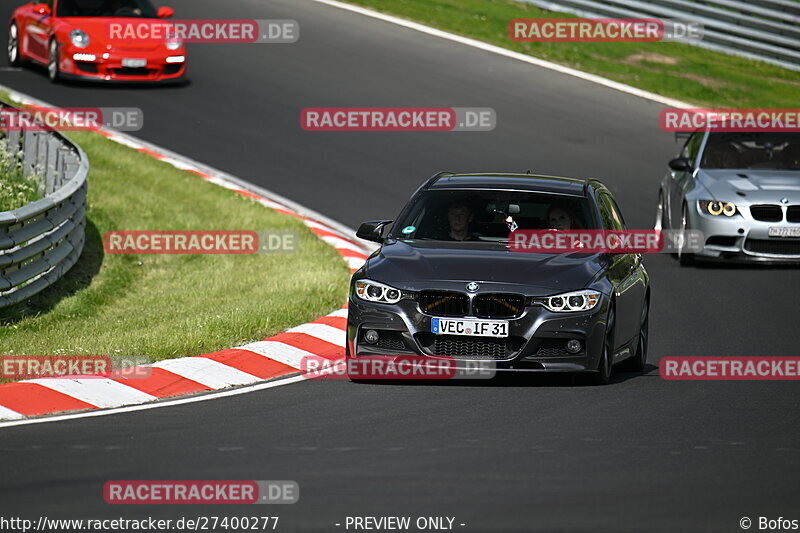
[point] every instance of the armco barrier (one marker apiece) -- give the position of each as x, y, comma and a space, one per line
766, 30
41, 241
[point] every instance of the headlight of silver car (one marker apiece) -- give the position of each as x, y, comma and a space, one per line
570, 302
372, 291
79, 38
710, 207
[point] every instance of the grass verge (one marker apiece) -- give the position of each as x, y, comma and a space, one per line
166, 306
675, 70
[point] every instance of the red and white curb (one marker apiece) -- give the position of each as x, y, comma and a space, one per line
277, 356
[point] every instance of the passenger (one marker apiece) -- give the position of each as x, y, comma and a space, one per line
790, 158
459, 217
560, 216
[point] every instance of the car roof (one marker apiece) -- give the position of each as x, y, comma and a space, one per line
520, 182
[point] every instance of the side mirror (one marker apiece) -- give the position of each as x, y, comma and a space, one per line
373, 230
680, 164
42, 9
165, 12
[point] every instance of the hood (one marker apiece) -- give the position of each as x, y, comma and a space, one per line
752, 186
98, 29
426, 264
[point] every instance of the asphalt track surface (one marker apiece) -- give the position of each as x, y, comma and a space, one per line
641, 454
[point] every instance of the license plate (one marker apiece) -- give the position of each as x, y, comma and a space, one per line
471, 328
784, 232
134, 63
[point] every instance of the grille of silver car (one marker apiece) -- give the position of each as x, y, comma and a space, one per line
793, 213
773, 246
471, 348
498, 305
766, 212
444, 303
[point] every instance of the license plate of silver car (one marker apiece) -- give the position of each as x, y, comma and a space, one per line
784, 232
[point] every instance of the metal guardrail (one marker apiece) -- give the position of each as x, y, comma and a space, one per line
765, 30
41, 241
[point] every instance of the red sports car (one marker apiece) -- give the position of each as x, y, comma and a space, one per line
72, 39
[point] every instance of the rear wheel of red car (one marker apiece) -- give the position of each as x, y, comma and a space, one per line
52, 65
13, 46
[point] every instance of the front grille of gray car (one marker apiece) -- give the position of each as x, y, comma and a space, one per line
444, 303
773, 246
391, 342
553, 348
471, 348
793, 213
498, 305
766, 212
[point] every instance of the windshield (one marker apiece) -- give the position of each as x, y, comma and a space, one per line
106, 8
756, 151
458, 215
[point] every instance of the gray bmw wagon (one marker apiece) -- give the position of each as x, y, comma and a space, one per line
446, 284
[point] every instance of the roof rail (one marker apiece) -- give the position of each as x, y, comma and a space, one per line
599, 184
435, 177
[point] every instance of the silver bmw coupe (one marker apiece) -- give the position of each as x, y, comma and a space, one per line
742, 190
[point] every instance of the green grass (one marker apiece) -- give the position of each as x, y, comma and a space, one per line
165, 306
16, 190
676, 70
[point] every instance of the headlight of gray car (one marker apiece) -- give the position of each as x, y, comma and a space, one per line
710, 207
372, 291
571, 302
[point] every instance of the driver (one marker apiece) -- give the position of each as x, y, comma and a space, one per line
459, 217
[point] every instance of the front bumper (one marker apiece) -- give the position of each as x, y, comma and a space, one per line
108, 67
537, 339
743, 239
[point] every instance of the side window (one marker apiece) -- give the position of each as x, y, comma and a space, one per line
692, 147
605, 212
612, 219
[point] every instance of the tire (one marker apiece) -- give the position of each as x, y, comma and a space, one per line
14, 58
685, 258
53, 73
604, 366
639, 360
